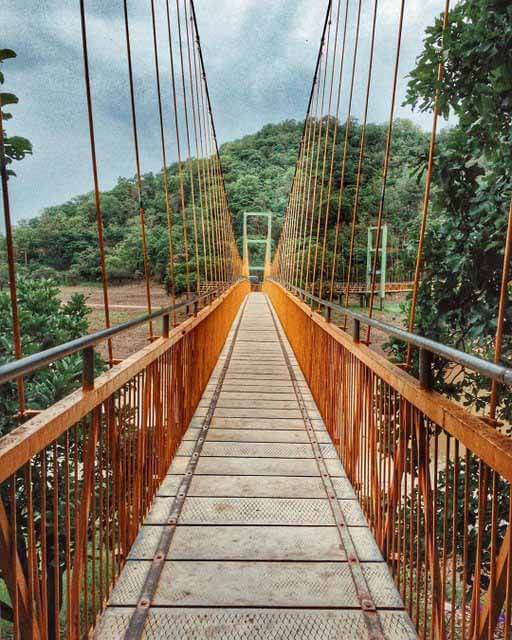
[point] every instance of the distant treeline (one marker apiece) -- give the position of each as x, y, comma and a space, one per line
61, 242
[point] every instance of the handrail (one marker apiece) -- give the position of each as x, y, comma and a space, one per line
488, 369
432, 478
29, 364
85, 472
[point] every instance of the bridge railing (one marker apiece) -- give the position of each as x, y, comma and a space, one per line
433, 480
77, 480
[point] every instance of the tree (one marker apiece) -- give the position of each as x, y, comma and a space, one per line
15, 147
463, 257
258, 172
45, 322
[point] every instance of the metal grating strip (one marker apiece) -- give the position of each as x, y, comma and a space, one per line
360, 583
139, 618
254, 624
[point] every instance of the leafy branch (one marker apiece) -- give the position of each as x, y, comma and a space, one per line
14, 148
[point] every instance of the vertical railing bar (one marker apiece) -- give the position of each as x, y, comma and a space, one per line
88, 369
425, 369
165, 325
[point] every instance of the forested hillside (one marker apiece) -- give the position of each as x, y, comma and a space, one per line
258, 168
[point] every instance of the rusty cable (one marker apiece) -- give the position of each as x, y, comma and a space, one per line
362, 148
97, 198
200, 150
168, 208
348, 124
326, 139
385, 169
335, 139
178, 148
313, 111
137, 164
138, 180
428, 184
318, 142
189, 149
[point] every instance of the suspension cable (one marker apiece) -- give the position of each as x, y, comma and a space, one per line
318, 149
385, 170
428, 184
189, 148
216, 152
308, 210
137, 165
168, 208
209, 195
311, 112
178, 149
97, 199
334, 141
199, 146
346, 142
213, 221
326, 139
362, 149
303, 209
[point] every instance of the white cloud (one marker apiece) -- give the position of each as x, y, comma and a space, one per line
260, 57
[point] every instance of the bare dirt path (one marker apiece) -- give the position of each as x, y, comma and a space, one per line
126, 302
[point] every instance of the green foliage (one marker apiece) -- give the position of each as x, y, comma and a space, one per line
458, 301
258, 173
478, 521
477, 83
45, 322
14, 147
259, 170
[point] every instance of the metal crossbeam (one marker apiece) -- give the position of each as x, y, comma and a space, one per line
247, 240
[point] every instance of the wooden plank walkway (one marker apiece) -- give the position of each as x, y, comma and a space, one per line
267, 522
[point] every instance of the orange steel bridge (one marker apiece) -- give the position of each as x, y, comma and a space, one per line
255, 471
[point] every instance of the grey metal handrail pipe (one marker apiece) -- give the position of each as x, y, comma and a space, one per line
488, 369
17, 368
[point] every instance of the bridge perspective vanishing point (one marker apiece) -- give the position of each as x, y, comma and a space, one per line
258, 470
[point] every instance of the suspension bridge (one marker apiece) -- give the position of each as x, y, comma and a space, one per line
258, 470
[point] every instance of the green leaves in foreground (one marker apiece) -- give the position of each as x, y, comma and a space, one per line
15, 147
458, 301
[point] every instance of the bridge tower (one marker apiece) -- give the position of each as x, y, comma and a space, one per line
248, 240
381, 273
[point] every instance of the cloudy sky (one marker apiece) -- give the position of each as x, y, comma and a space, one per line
260, 57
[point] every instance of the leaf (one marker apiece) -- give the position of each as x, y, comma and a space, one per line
8, 98
6, 54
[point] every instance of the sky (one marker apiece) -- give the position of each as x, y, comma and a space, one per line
259, 54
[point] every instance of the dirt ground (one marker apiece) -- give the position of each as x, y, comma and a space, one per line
390, 314
126, 302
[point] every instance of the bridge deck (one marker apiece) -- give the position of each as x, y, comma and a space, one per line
261, 548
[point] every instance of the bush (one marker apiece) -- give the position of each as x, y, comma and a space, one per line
46, 273
45, 322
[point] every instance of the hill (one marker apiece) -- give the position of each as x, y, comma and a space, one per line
61, 242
